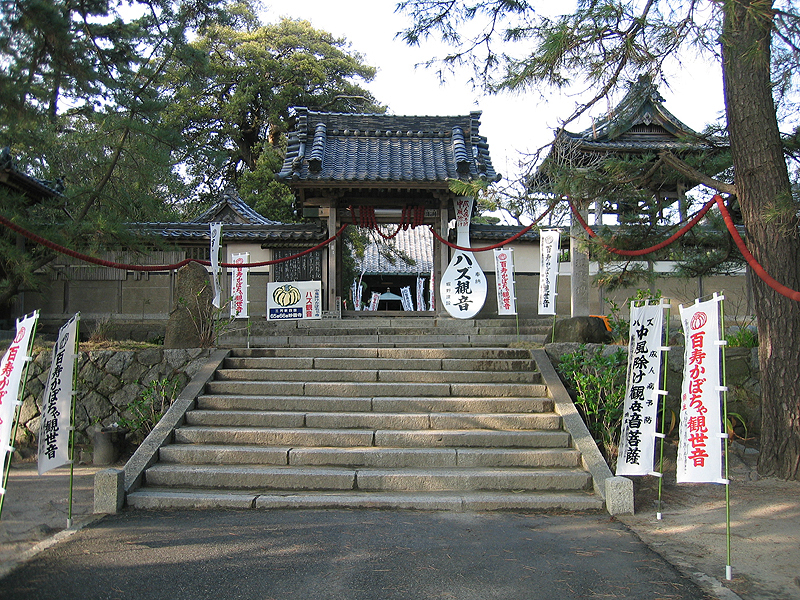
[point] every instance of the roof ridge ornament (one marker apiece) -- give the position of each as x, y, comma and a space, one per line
318, 148
460, 151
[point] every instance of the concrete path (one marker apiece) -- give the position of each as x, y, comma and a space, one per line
36, 507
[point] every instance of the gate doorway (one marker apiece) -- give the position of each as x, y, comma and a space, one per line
388, 268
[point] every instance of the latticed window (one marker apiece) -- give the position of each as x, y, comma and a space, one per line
199, 252
303, 268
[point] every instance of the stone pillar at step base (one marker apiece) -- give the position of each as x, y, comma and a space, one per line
109, 491
584, 330
619, 496
192, 312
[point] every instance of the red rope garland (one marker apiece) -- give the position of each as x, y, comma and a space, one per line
726, 216
655, 248
409, 217
497, 245
419, 212
757, 268
153, 268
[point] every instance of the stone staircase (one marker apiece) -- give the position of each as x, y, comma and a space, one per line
327, 421
379, 330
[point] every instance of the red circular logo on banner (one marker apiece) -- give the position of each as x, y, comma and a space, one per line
20, 335
698, 320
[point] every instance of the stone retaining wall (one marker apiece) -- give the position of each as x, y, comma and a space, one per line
108, 381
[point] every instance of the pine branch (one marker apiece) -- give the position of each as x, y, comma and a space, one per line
691, 173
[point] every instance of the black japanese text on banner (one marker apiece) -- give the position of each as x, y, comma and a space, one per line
216, 274
54, 427
463, 286
11, 369
638, 435
548, 271
700, 434
504, 273
239, 284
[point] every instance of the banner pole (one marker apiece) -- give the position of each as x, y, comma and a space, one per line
72, 422
664, 371
728, 566
9, 455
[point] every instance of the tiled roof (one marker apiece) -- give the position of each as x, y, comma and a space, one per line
501, 232
13, 178
416, 243
642, 108
240, 223
232, 209
640, 124
278, 234
364, 148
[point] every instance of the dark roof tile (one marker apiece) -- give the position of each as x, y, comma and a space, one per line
342, 148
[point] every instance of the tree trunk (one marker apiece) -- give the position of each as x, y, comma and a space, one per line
762, 183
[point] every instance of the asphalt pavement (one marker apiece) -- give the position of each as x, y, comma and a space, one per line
353, 555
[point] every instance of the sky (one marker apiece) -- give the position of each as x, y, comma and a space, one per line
513, 124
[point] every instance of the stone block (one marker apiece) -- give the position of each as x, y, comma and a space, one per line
108, 385
150, 357
90, 375
109, 491
126, 395
117, 364
619, 496
584, 330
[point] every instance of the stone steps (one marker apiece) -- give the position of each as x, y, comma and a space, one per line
327, 478
156, 498
388, 404
209, 454
425, 426
371, 420
374, 375
399, 332
346, 389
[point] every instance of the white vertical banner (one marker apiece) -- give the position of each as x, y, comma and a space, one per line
355, 296
638, 435
700, 436
239, 285
56, 421
548, 271
431, 292
421, 294
504, 273
373, 303
463, 286
216, 274
11, 369
405, 298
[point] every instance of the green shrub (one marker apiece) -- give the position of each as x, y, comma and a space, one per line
744, 337
597, 380
143, 413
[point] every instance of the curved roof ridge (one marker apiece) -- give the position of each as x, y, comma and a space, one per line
236, 208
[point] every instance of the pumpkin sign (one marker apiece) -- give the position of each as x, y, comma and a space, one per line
294, 300
286, 295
